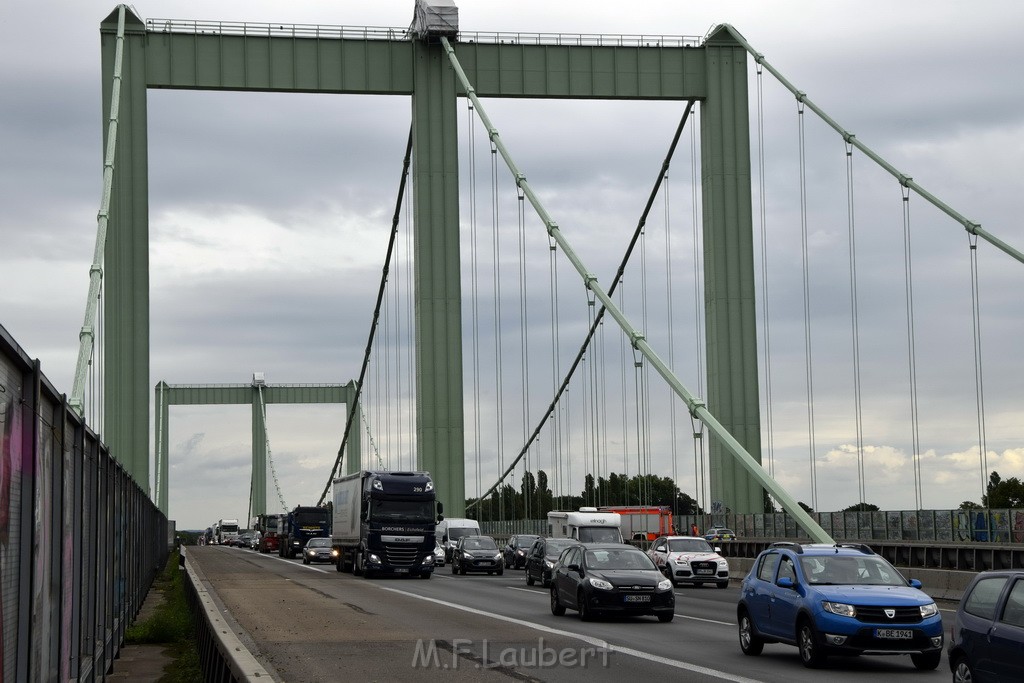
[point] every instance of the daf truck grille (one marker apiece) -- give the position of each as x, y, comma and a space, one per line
400, 555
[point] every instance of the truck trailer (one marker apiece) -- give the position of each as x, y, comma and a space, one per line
588, 525
298, 526
643, 522
384, 523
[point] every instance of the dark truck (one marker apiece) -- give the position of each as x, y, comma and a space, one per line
384, 523
300, 525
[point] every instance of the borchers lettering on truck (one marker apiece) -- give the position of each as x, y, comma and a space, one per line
371, 509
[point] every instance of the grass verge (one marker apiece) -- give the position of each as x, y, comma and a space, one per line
170, 625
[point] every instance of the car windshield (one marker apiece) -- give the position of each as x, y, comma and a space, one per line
689, 545
319, 543
847, 570
627, 558
479, 543
408, 511
525, 541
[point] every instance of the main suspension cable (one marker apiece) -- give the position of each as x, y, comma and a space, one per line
611, 289
350, 420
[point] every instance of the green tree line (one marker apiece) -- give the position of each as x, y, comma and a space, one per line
533, 498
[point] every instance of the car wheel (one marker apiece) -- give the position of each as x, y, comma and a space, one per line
339, 565
665, 617
722, 584
750, 643
585, 611
806, 641
529, 578
501, 572
557, 608
305, 560
455, 572
926, 661
962, 672
426, 575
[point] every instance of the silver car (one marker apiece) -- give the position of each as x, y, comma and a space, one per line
318, 550
438, 555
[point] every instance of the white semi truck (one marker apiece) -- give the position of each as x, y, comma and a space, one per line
588, 525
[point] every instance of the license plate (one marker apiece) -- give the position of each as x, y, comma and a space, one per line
637, 598
705, 571
402, 570
894, 633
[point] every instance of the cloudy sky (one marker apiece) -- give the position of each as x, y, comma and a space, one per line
269, 216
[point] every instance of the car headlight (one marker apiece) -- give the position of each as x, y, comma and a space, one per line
467, 556
520, 552
429, 559
498, 556
840, 608
664, 585
723, 564
682, 560
929, 610
334, 552
374, 558
600, 583
549, 565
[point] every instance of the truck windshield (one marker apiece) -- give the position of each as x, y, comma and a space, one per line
599, 535
310, 518
229, 528
411, 512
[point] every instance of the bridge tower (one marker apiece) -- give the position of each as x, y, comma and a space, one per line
286, 61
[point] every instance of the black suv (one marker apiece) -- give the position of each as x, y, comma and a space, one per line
541, 557
516, 548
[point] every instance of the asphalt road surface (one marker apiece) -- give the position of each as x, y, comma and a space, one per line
311, 623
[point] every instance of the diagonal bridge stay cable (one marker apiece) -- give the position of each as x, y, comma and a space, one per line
695, 405
600, 314
351, 419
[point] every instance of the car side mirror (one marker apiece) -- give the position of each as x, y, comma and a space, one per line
914, 583
573, 567
785, 582
718, 549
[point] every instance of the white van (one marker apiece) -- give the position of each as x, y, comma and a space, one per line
450, 530
589, 525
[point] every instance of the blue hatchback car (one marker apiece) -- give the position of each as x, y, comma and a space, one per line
838, 599
986, 642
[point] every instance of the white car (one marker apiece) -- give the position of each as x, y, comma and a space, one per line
689, 559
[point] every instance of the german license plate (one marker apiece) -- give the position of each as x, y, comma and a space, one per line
705, 571
402, 570
637, 598
894, 633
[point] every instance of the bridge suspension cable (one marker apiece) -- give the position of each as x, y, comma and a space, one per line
350, 420
971, 227
979, 383
270, 457
805, 256
616, 280
695, 405
855, 324
86, 337
908, 272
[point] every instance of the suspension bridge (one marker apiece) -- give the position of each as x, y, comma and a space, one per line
691, 300
762, 327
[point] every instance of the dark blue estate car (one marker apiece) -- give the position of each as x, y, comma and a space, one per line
838, 599
987, 639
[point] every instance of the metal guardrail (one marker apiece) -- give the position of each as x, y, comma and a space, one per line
314, 31
80, 541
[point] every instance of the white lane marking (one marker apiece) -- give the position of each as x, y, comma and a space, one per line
596, 642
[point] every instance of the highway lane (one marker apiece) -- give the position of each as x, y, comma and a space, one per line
495, 627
